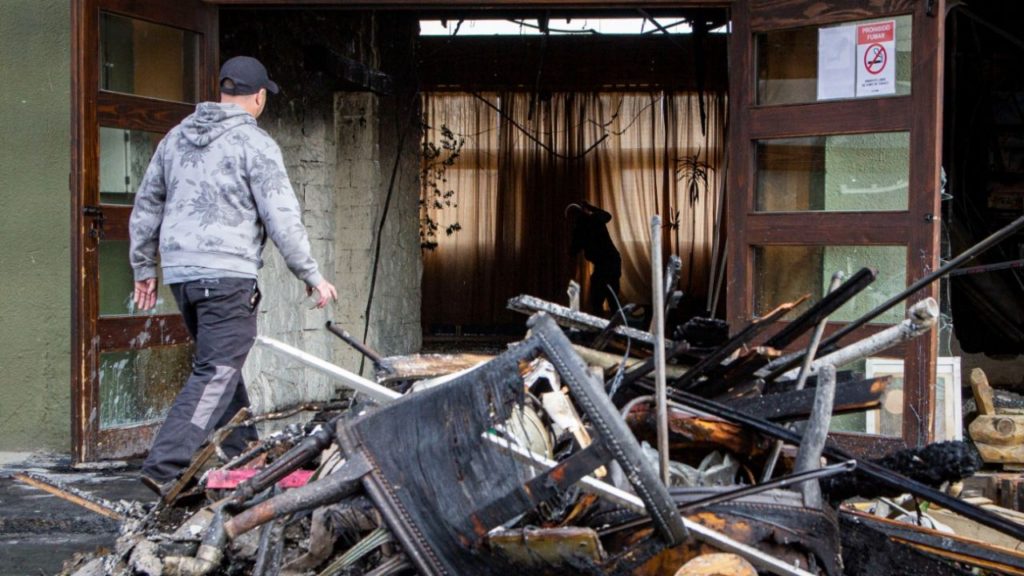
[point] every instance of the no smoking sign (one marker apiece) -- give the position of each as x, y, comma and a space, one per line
875, 58
876, 75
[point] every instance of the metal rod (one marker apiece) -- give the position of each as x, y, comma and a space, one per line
349, 339
989, 268
749, 490
661, 400
953, 264
379, 393
632, 502
867, 468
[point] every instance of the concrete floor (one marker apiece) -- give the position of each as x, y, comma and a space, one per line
39, 531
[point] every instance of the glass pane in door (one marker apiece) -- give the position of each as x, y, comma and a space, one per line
117, 283
124, 157
146, 59
138, 386
785, 273
788, 61
838, 173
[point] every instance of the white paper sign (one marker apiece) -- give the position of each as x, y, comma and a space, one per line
876, 58
837, 69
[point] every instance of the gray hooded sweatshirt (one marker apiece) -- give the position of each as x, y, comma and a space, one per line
214, 190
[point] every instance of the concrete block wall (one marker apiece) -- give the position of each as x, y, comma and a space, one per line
368, 145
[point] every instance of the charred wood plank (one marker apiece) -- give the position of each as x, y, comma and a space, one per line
796, 404
690, 379
73, 495
526, 304
789, 334
869, 552
691, 432
946, 545
735, 385
420, 366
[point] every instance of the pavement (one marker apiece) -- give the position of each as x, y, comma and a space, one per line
39, 531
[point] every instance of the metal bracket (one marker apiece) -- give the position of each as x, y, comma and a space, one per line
98, 220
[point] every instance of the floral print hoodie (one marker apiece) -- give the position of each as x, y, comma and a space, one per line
214, 190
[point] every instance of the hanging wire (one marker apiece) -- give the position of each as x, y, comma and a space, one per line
533, 138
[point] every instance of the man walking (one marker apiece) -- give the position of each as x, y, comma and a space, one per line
214, 190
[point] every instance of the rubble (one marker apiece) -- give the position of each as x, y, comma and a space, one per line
539, 460
430, 482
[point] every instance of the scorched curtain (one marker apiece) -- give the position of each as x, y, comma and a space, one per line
524, 158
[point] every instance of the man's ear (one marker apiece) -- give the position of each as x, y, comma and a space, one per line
261, 96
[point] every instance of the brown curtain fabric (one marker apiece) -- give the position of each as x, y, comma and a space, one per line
526, 157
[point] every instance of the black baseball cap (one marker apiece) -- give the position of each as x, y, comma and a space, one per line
244, 75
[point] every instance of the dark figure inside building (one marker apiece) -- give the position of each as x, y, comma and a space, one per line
590, 235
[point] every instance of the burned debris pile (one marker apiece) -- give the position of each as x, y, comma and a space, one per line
589, 447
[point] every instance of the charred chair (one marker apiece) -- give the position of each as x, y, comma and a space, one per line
442, 486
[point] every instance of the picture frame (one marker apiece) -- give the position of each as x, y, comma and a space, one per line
888, 419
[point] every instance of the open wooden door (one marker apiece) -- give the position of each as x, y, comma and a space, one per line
139, 67
835, 147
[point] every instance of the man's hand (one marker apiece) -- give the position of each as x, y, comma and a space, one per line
145, 293
325, 291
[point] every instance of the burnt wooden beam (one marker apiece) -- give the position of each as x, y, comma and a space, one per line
744, 336
526, 304
796, 404
92, 503
945, 545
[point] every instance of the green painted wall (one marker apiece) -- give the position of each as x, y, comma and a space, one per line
35, 287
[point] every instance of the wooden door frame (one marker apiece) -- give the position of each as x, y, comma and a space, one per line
90, 107
917, 227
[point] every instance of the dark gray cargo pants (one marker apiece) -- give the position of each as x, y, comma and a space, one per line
220, 314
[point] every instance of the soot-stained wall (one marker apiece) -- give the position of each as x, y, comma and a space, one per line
340, 142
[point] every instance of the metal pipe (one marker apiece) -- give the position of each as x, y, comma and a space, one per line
967, 255
661, 397
351, 341
343, 482
304, 451
920, 318
379, 393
